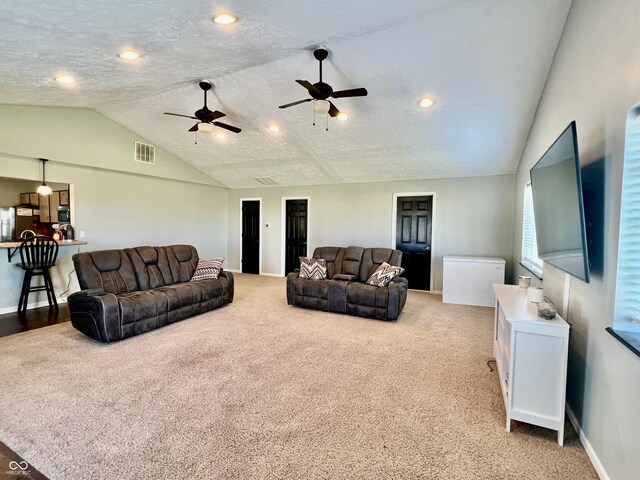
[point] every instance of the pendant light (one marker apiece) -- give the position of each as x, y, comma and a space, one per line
44, 189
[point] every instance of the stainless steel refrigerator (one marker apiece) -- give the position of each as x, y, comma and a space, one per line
14, 221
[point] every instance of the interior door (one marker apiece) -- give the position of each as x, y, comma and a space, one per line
251, 236
296, 233
413, 238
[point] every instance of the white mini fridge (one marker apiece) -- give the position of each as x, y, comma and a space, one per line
469, 280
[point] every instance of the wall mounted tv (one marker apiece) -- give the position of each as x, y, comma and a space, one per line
556, 186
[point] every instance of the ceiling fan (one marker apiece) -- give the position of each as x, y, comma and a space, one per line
206, 118
321, 91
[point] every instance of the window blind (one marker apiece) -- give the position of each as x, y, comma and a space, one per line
627, 309
529, 242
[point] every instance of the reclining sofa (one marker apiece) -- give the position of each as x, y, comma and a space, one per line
131, 291
345, 289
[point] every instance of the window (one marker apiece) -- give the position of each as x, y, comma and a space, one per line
627, 313
626, 320
529, 256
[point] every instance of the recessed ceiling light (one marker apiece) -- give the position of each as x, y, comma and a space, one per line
65, 79
425, 102
221, 135
343, 117
225, 19
274, 128
129, 55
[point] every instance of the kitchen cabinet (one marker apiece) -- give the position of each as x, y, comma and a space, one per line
45, 216
46, 206
54, 203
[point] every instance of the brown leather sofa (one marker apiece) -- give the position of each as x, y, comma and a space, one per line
131, 291
345, 289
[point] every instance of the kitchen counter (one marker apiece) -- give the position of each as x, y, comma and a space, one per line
16, 245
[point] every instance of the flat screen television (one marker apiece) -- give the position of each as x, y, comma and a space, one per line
558, 208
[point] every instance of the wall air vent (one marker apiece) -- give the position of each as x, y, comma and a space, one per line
266, 181
145, 153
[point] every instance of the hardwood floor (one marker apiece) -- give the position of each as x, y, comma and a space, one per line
11, 323
13, 466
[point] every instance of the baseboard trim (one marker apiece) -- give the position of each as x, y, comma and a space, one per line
30, 306
595, 461
232, 270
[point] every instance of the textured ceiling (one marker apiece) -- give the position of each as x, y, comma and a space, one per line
485, 63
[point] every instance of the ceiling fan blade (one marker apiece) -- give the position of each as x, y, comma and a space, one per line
228, 127
295, 103
353, 92
178, 115
308, 86
194, 128
333, 110
216, 114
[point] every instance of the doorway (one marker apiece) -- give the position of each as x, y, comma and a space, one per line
296, 233
250, 235
412, 235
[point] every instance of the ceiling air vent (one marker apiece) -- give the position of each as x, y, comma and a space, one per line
266, 181
145, 153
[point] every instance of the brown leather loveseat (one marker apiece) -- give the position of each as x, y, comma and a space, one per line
345, 289
131, 291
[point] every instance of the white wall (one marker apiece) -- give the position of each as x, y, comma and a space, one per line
473, 216
117, 202
594, 80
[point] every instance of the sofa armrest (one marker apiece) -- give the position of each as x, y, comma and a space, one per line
96, 314
400, 280
291, 289
397, 297
229, 277
90, 292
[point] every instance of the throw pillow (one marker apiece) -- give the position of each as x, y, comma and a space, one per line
313, 268
208, 269
384, 274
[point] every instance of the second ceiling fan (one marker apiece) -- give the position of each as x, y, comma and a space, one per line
321, 91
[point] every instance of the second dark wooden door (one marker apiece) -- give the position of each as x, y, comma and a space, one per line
413, 238
250, 236
296, 233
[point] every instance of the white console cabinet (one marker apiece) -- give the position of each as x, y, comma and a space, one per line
531, 356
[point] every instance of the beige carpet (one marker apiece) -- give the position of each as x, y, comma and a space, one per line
262, 390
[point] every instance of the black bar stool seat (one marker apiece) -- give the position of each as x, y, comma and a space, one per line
37, 255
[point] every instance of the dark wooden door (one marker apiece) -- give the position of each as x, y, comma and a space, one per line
250, 236
413, 238
296, 233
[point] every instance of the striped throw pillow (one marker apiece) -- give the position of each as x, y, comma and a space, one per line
384, 274
313, 268
208, 269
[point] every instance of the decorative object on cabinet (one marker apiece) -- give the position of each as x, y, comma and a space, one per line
531, 355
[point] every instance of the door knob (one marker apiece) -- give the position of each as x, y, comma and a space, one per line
427, 248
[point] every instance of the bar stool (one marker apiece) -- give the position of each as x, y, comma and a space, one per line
37, 254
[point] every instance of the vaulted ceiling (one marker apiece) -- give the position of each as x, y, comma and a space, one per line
484, 62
